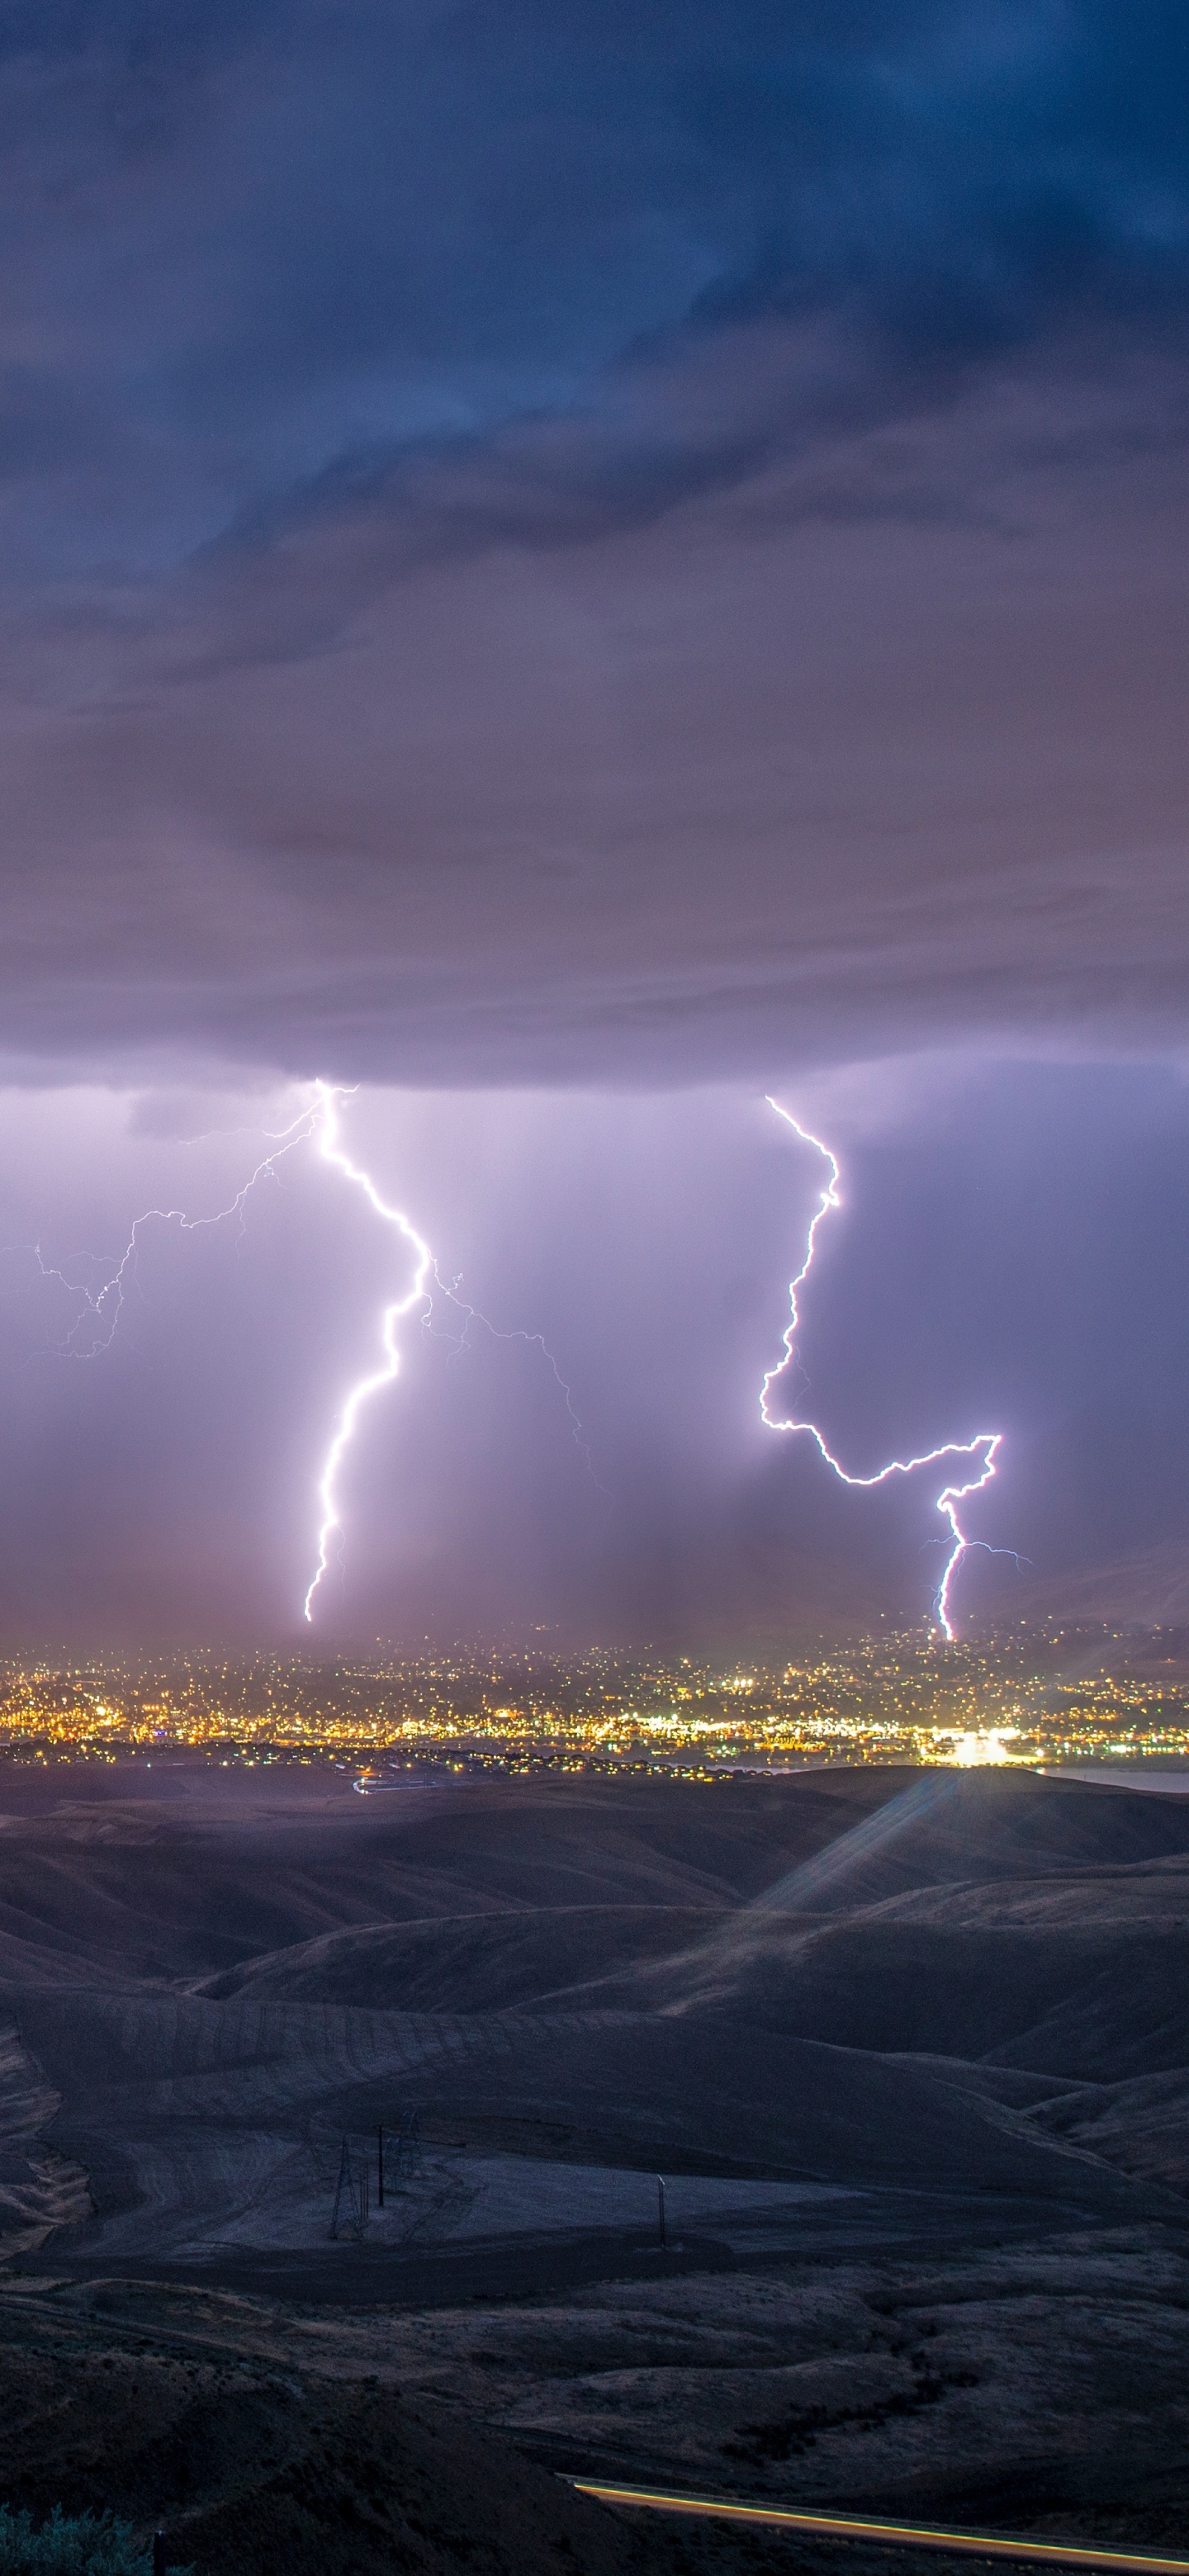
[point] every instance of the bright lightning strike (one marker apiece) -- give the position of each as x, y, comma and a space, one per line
360, 1394
982, 1450
97, 1321
419, 1293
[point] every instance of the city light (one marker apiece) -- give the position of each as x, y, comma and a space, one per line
909, 1698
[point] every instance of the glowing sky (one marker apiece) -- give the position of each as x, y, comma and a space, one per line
575, 566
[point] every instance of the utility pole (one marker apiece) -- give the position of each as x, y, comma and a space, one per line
660, 2193
349, 2198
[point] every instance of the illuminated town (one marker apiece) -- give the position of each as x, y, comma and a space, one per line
1039, 1699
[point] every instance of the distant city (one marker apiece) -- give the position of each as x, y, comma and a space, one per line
1032, 1697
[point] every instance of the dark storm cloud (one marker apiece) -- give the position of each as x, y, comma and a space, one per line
490, 206
592, 541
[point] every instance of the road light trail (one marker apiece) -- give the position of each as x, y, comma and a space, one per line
909, 2535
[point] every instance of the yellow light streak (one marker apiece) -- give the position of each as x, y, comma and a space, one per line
913, 2535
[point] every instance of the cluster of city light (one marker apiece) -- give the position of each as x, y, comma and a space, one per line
898, 1699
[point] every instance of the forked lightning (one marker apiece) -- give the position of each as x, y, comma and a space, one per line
418, 1293
320, 1121
982, 1449
102, 1306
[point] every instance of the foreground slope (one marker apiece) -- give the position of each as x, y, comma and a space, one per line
909, 2051
852, 1982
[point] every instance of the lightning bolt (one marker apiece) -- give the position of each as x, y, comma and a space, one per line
105, 1306
982, 1450
420, 1293
365, 1387
102, 1306
532, 1341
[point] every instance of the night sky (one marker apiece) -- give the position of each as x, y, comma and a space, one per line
572, 567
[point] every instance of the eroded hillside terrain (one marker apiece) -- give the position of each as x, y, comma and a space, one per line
910, 2051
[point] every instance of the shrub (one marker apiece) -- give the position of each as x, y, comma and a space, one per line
84, 2544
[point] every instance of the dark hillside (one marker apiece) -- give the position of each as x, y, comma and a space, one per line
253, 2473
910, 2051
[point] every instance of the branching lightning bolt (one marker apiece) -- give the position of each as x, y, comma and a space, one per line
532, 1341
982, 1450
102, 1306
365, 1387
105, 1306
420, 1293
